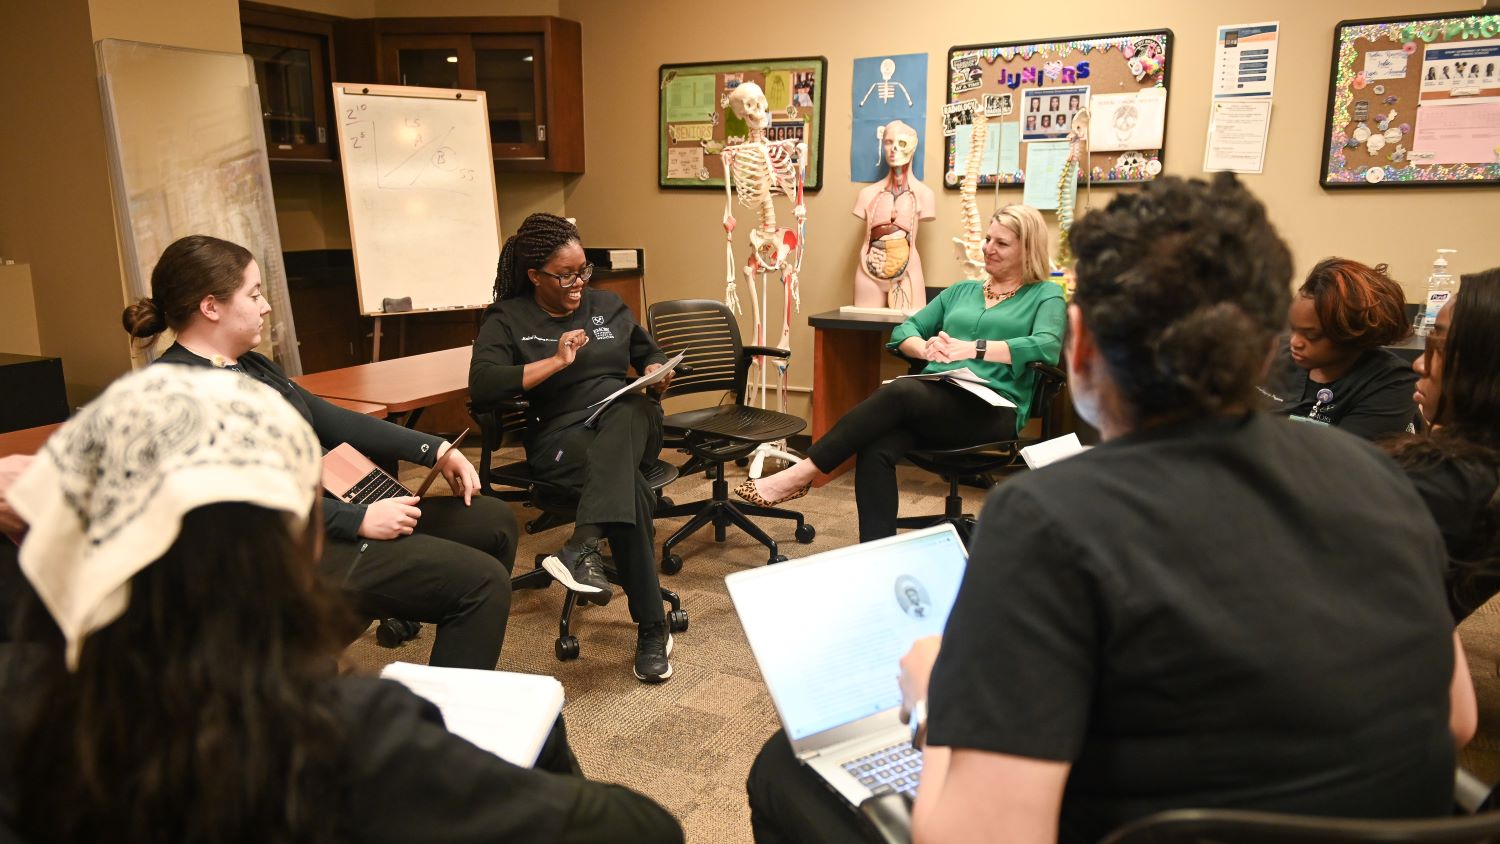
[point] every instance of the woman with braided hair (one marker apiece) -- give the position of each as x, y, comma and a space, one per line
565, 347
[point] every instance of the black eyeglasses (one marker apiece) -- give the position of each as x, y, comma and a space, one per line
569, 280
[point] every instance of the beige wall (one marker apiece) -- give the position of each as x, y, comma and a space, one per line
618, 202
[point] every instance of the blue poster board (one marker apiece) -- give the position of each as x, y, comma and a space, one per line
877, 100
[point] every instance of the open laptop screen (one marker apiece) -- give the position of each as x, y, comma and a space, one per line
829, 630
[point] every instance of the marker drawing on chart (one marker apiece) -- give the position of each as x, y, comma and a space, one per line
441, 160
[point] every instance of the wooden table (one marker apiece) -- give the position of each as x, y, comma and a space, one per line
26, 440
847, 351
379, 411
404, 385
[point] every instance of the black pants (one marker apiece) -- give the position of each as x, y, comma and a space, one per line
902, 415
602, 465
789, 803
454, 572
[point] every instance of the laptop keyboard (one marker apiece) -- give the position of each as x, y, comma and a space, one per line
897, 767
375, 486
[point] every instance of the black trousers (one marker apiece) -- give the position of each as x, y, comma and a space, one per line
454, 572
789, 803
902, 415
602, 465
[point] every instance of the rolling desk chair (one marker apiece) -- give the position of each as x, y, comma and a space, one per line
504, 424
709, 334
955, 464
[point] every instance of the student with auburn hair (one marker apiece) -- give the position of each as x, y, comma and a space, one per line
1456, 466
1331, 369
444, 560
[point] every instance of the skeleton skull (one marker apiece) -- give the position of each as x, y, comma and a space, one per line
887, 69
749, 104
900, 143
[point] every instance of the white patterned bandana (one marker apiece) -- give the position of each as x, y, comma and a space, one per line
106, 496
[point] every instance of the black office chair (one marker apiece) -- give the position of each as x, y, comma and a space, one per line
707, 332
505, 424
887, 820
983, 459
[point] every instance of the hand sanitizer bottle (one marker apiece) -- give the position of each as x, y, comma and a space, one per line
1441, 286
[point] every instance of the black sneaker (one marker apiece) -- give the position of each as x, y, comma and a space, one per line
581, 571
653, 644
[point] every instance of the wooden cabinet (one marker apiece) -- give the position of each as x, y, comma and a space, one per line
530, 68
293, 56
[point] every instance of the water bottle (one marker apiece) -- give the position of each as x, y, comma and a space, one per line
1441, 286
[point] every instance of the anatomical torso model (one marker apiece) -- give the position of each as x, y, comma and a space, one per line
889, 273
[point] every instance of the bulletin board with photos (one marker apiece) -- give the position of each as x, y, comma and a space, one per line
696, 121
1414, 102
1032, 91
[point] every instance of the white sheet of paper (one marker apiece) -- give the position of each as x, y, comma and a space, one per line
1237, 131
1051, 451
684, 162
1131, 121
506, 713
1044, 166
964, 378
1385, 64
643, 381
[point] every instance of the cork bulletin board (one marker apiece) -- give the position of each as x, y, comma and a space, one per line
696, 122
1414, 102
1031, 91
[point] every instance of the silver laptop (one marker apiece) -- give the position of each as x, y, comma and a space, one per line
832, 672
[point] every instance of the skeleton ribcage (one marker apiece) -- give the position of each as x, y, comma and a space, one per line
764, 170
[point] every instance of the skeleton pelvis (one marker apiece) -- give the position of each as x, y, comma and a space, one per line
887, 259
772, 247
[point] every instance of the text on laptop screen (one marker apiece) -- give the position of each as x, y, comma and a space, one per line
829, 635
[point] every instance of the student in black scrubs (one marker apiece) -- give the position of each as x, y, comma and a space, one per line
566, 346
1132, 632
444, 560
190, 688
1331, 369
1456, 466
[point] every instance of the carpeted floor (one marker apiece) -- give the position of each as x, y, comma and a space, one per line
689, 742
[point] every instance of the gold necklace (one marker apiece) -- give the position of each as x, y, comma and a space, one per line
989, 292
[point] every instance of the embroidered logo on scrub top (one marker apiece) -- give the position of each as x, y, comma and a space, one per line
598, 320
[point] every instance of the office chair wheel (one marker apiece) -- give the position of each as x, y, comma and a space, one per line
677, 621
393, 632
671, 564
566, 648
805, 533
776, 558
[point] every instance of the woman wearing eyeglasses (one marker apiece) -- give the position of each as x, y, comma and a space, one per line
566, 346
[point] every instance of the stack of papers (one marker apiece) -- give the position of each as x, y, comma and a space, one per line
965, 378
643, 381
1051, 451
506, 713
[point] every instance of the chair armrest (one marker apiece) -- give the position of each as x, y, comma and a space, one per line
888, 817
503, 405
768, 350
1047, 370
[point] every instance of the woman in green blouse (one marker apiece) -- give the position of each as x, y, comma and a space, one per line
994, 328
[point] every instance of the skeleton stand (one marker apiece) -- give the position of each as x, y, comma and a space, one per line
757, 170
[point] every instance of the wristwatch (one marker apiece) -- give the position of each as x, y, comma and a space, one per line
918, 723
979, 346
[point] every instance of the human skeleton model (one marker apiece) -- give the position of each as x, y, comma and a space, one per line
758, 170
885, 89
889, 273
969, 247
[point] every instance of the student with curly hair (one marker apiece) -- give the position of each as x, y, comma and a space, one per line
566, 346
1456, 466
1133, 629
1330, 369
